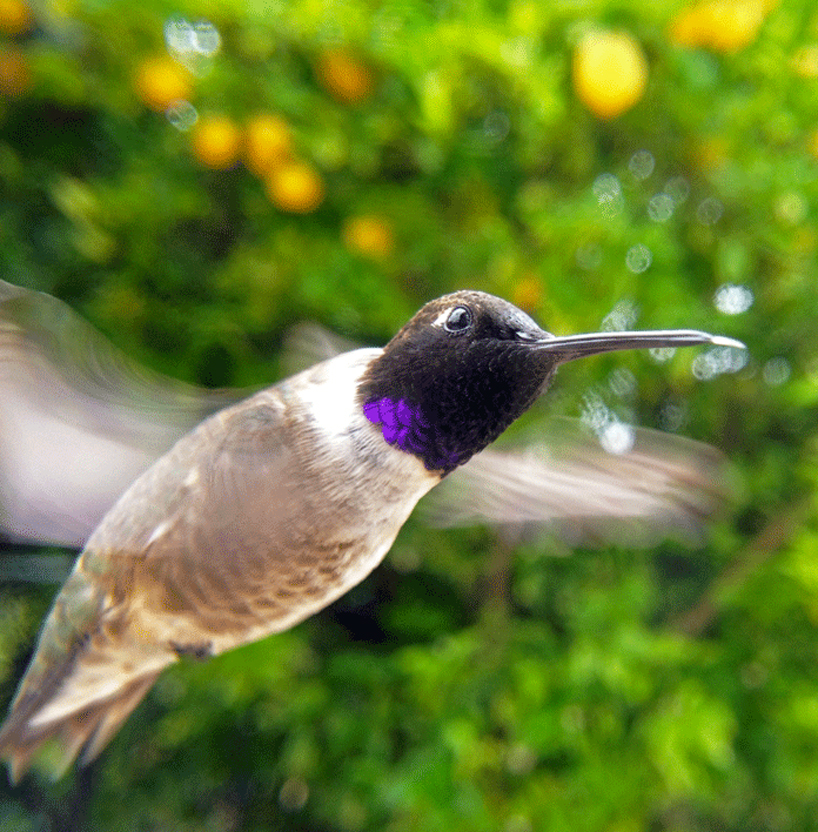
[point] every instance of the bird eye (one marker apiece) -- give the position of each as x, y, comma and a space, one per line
459, 319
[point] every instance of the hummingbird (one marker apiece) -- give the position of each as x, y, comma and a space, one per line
274, 506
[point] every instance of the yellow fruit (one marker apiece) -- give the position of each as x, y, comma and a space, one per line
711, 153
610, 72
370, 236
15, 17
267, 143
160, 81
216, 141
721, 25
344, 76
15, 73
295, 187
527, 294
805, 61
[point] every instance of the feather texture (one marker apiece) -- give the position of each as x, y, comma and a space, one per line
664, 485
273, 507
214, 546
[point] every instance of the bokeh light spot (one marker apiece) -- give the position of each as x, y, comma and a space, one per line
182, 115
776, 371
184, 38
617, 437
661, 355
641, 164
622, 316
589, 257
678, 189
717, 361
791, 208
638, 258
622, 382
661, 207
608, 191
731, 299
710, 211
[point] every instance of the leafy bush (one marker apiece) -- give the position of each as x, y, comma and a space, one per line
195, 178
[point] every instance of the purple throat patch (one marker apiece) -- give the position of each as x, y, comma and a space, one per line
405, 427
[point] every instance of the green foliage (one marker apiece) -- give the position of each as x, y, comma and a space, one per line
468, 684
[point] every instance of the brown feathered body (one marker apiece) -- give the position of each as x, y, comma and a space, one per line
275, 506
264, 514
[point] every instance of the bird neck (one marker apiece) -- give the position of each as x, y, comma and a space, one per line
443, 420
404, 425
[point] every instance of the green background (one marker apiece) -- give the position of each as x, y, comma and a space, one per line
612, 689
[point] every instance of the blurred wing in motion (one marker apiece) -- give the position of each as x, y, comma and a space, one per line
664, 486
184, 565
79, 421
309, 343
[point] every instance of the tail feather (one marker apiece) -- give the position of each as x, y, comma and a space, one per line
88, 673
80, 685
87, 730
108, 720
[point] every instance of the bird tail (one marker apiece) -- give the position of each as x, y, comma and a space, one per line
85, 678
85, 731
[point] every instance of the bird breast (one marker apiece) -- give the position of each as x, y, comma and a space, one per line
267, 512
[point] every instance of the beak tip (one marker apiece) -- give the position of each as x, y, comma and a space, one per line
724, 341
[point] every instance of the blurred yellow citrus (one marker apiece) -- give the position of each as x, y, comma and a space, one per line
216, 141
721, 25
805, 61
610, 72
295, 187
369, 235
15, 17
527, 294
15, 73
267, 143
710, 153
159, 81
344, 76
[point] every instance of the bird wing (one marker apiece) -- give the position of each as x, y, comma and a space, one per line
214, 526
79, 421
664, 485
188, 556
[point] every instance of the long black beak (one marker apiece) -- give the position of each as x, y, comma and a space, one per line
568, 347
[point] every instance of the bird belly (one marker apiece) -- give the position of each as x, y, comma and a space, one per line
310, 578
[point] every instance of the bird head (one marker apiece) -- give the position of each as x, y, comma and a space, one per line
468, 364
